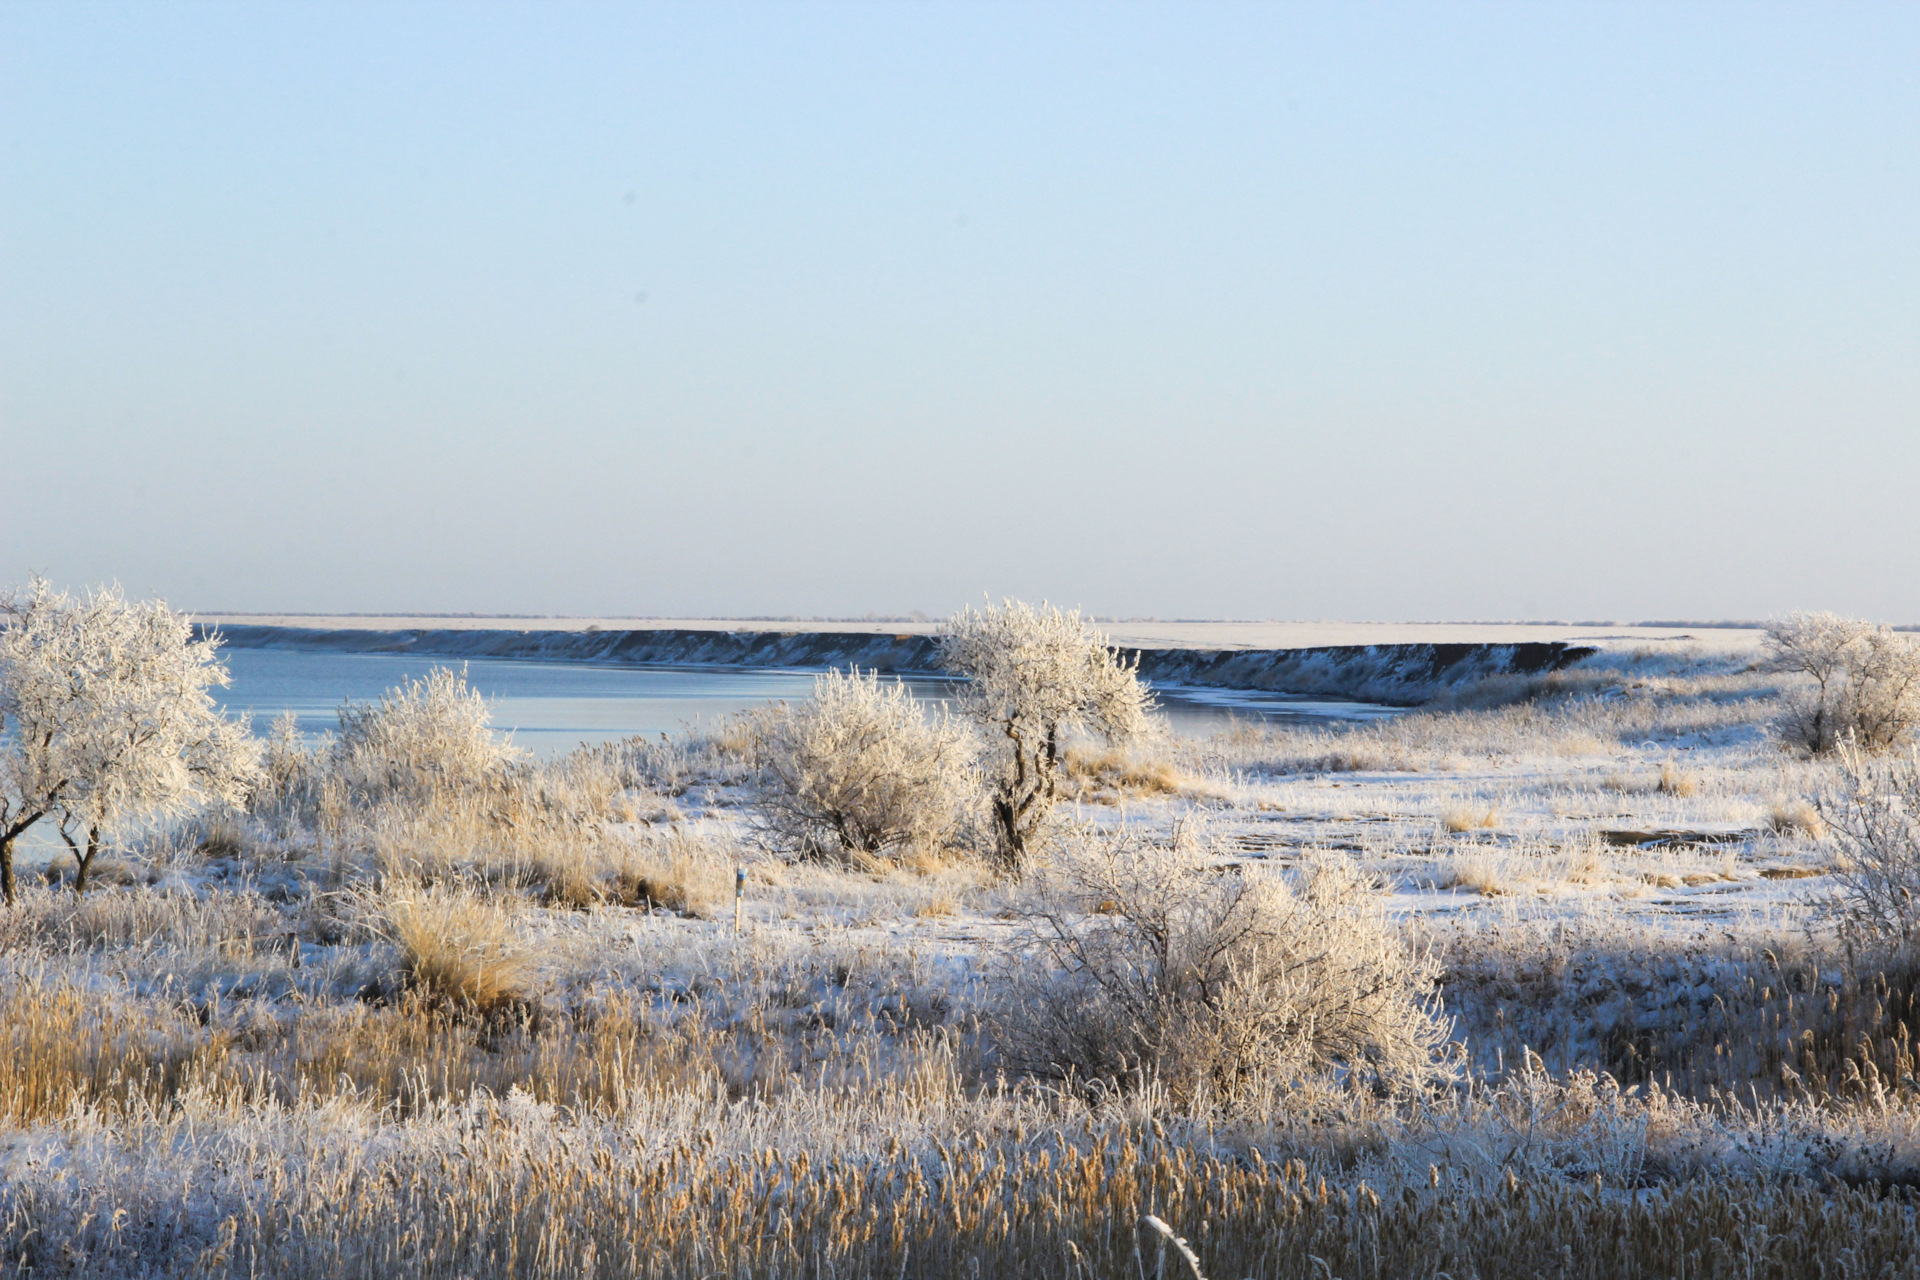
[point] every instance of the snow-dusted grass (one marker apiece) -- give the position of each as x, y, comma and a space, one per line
246, 1061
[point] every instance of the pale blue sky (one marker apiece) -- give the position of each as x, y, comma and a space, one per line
1387, 312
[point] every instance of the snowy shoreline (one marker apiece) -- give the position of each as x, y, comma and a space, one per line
1404, 674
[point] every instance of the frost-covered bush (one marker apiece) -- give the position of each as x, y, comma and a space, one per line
1872, 815
1865, 682
424, 738
1146, 962
860, 769
105, 719
1034, 673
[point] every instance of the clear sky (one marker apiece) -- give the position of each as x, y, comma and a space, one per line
1388, 312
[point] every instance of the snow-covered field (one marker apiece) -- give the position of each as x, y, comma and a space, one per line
237, 1058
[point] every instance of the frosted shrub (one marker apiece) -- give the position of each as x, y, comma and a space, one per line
1155, 964
106, 719
424, 738
1872, 814
1864, 682
859, 769
1034, 673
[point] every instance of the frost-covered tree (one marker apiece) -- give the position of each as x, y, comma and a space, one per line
859, 769
1034, 673
1863, 682
105, 718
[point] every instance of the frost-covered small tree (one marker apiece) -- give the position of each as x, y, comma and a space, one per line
106, 718
1158, 963
1033, 673
427, 737
1872, 815
860, 768
1864, 682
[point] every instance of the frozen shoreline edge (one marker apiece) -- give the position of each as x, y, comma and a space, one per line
1396, 674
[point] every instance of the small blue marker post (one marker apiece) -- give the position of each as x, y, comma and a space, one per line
739, 894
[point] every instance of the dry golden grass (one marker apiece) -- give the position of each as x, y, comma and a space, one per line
456, 949
1460, 818
1673, 782
929, 862
1488, 874
1112, 774
681, 871
1796, 817
532, 1197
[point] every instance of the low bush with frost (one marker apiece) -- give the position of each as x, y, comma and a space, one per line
1154, 963
1871, 812
426, 737
1861, 682
860, 770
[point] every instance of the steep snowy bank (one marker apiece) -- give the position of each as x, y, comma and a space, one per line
1397, 673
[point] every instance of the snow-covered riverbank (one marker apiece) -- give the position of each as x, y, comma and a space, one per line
1404, 673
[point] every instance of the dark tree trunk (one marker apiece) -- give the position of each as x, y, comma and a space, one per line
83, 861
1025, 800
6, 868
86, 860
1013, 843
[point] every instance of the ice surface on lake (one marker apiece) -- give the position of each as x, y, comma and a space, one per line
551, 707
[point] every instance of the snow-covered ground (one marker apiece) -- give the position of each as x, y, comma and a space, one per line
230, 1056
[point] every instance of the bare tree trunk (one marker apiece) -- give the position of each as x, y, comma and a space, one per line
1013, 845
1024, 802
8, 834
86, 863
83, 861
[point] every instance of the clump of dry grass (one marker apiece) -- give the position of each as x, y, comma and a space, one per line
1486, 873
1459, 818
681, 871
1796, 817
1495, 872
1674, 782
456, 949
1110, 775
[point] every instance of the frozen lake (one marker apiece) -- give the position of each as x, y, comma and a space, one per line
552, 707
